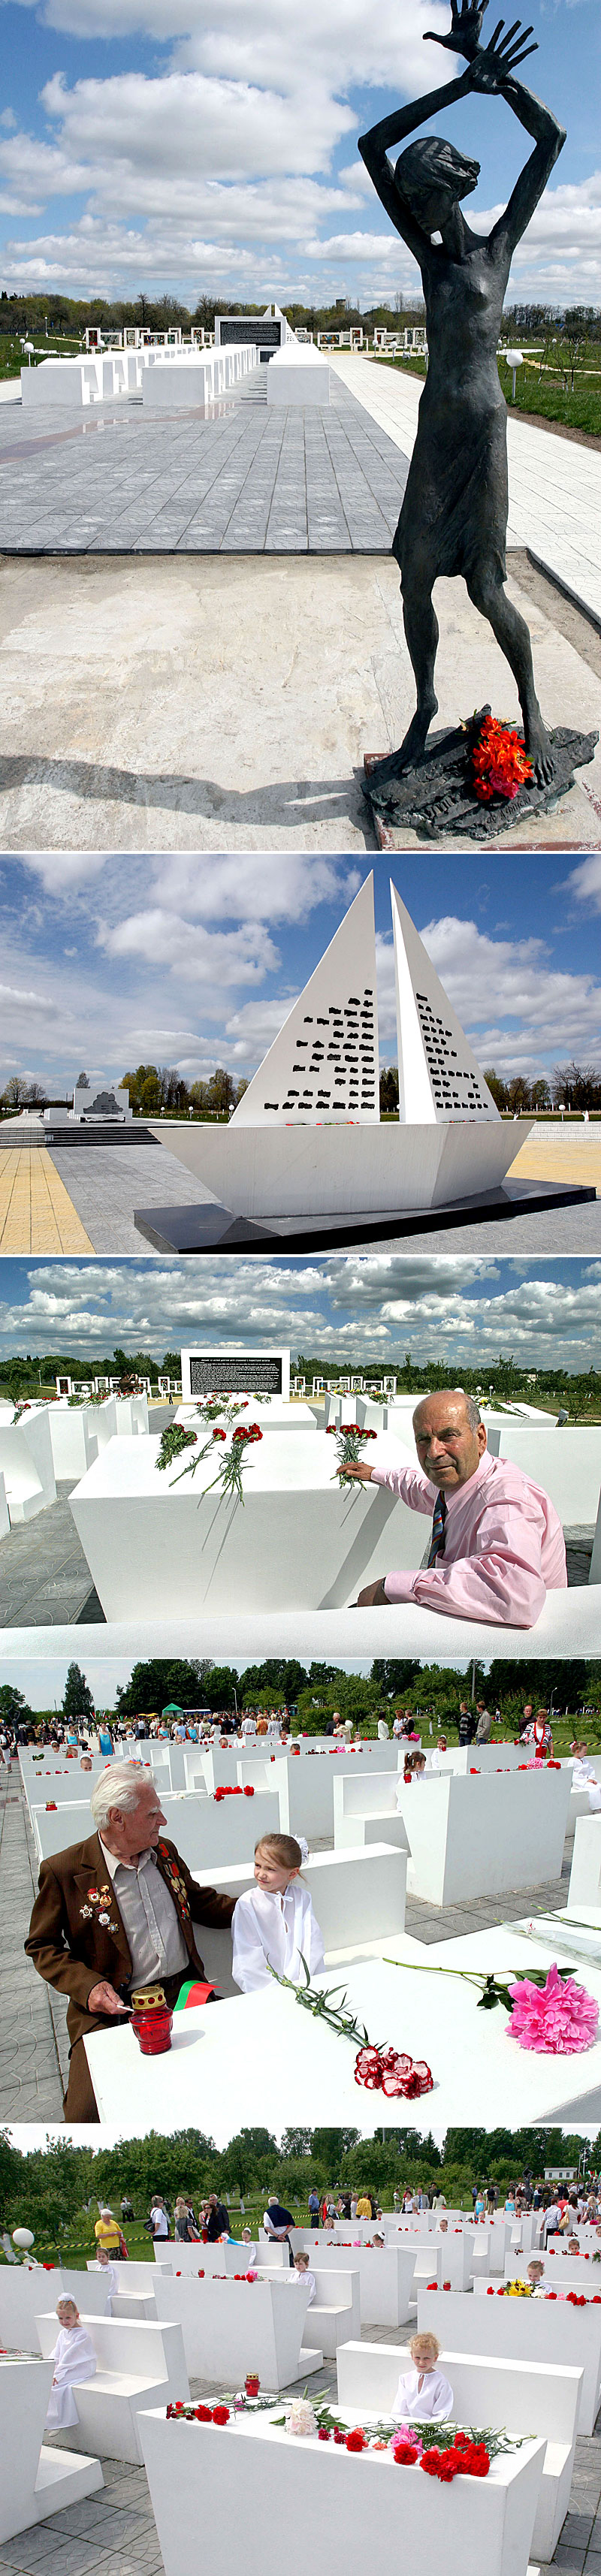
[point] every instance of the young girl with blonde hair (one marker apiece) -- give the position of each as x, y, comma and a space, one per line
275, 1921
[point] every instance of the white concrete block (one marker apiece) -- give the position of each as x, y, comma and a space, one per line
298, 375
35, 2481
311, 2492
358, 1898
530, 2399
136, 2364
585, 1874
157, 1540
481, 1836
254, 2325
521, 2330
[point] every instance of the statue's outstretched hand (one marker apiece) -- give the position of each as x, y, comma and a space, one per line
492, 64
465, 28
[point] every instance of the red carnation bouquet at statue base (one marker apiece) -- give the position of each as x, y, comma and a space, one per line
500, 762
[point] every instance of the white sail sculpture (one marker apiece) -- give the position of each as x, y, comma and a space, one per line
324, 1064
307, 1142
438, 1074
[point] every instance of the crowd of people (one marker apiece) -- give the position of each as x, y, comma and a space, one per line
473, 1721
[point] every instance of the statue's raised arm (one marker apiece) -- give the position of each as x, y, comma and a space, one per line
491, 70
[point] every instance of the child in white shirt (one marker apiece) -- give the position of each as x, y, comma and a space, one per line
250, 2248
423, 2394
74, 2358
275, 1921
301, 2272
108, 2274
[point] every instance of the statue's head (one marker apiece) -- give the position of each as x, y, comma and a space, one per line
431, 177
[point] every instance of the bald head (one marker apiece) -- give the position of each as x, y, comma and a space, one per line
449, 1437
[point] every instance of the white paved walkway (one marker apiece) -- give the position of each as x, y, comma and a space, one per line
554, 483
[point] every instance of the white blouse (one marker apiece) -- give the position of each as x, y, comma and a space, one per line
309, 2278
275, 1927
423, 2397
74, 2358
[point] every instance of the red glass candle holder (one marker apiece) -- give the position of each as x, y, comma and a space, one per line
252, 2383
153, 2029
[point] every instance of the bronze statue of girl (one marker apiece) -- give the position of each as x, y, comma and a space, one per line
454, 513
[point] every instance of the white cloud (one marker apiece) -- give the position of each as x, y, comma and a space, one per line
163, 938
585, 882
217, 165
353, 1305
554, 1014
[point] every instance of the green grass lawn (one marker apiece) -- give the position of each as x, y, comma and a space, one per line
11, 354
546, 400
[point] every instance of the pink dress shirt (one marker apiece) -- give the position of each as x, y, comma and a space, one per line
504, 1545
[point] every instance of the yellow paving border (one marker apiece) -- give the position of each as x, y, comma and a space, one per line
560, 1158
36, 1212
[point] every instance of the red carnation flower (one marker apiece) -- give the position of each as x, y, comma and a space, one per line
355, 2441
323, 2434
221, 2414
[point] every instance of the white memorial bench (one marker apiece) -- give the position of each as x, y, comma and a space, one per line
298, 375
358, 1898
34, 2479
257, 2327
484, 1835
26, 2287
283, 2053
136, 2365
165, 1546
385, 2277
585, 1875
562, 2271
335, 2313
377, 2515
207, 1834
527, 2397
70, 383
522, 2330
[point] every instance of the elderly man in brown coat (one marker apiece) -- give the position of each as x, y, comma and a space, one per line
115, 1913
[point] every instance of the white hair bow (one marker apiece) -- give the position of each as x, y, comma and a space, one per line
303, 1847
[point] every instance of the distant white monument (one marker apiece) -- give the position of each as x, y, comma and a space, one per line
99, 1101
269, 331
306, 1140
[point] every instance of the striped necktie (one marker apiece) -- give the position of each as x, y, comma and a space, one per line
437, 1542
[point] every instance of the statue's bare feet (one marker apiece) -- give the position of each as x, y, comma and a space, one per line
410, 749
539, 748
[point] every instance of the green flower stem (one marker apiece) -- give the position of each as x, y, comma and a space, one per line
324, 2007
494, 1989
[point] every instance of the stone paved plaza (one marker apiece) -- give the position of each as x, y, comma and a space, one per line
238, 477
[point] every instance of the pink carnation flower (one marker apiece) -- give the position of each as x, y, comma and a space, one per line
557, 2020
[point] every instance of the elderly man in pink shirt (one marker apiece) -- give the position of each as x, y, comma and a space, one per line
496, 1544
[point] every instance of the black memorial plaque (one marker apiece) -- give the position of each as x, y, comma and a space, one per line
238, 328
229, 1375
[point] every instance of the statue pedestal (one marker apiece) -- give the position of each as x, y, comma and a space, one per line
436, 797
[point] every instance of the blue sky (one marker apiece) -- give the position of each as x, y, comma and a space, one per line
167, 144
350, 1308
194, 959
